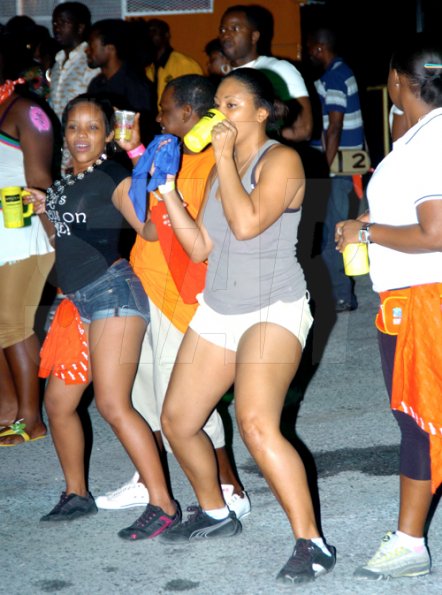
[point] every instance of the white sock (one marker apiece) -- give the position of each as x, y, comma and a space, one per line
320, 543
218, 513
412, 543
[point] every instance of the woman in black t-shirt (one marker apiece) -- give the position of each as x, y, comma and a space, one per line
86, 209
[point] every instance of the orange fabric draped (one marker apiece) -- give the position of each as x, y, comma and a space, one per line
417, 376
65, 351
189, 277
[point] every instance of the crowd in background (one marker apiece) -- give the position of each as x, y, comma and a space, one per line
55, 84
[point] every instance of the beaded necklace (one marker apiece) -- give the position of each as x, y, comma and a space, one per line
56, 192
7, 89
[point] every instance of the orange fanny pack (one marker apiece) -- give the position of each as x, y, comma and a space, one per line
389, 317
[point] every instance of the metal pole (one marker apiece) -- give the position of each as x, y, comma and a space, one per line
420, 18
385, 114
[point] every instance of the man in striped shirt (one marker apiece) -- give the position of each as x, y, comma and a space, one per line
342, 129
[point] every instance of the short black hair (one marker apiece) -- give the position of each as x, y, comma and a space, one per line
325, 36
160, 24
214, 45
195, 90
113, 32
260, 19
101, 102
79, 12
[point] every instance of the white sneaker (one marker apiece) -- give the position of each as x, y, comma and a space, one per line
239, 504
393, 560
131, 494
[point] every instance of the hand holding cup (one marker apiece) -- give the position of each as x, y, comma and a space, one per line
127, 129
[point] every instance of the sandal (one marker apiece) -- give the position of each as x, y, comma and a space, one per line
18, 429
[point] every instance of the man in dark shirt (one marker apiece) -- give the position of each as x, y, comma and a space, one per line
118, 80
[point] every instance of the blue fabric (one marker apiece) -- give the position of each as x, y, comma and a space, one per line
165, 159
338, 209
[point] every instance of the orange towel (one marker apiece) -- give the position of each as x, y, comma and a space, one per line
65, 351
358, 185
189, 277
417, 376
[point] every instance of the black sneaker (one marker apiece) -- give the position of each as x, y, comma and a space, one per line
200, 525
70, 507
343, 306
151, 523
307, 562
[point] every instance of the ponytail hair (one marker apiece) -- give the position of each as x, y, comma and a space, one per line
259, 85
420, 60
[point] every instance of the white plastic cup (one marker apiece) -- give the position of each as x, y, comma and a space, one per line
124, 123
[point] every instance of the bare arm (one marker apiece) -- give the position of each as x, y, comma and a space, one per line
301, 129
425, 236
135, 140
123, 203
36, 136
280, 185
35, 132
191, 234
333, 135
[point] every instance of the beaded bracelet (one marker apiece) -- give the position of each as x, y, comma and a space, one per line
136, 152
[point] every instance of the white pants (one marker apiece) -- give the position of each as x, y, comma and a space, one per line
158, 353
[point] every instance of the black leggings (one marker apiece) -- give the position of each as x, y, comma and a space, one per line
415, 443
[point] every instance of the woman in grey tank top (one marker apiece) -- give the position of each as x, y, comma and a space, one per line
252, 322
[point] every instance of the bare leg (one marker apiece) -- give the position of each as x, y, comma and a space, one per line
8, 394
267, 359
22, 359
415, 504
226, 472
190, 399
115, 345
61, 402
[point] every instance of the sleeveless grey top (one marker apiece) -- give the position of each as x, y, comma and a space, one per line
247, 275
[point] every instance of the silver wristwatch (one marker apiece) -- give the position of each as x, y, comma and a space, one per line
364, 233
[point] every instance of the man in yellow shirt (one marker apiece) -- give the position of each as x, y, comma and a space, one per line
168, 63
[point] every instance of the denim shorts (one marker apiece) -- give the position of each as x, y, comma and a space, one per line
117, 293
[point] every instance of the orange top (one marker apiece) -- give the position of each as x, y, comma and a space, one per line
147, 258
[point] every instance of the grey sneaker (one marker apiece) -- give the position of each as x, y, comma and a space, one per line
200, 525
307, 562
70, 507
393, 560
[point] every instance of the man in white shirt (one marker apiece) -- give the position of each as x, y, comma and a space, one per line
70, 75
240, 31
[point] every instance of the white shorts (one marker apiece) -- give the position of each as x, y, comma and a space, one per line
226, 330
158, 353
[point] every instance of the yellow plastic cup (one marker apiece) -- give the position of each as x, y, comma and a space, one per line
15, 212
356, 259
200, 135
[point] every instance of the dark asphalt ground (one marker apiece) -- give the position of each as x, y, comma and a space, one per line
343, 421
